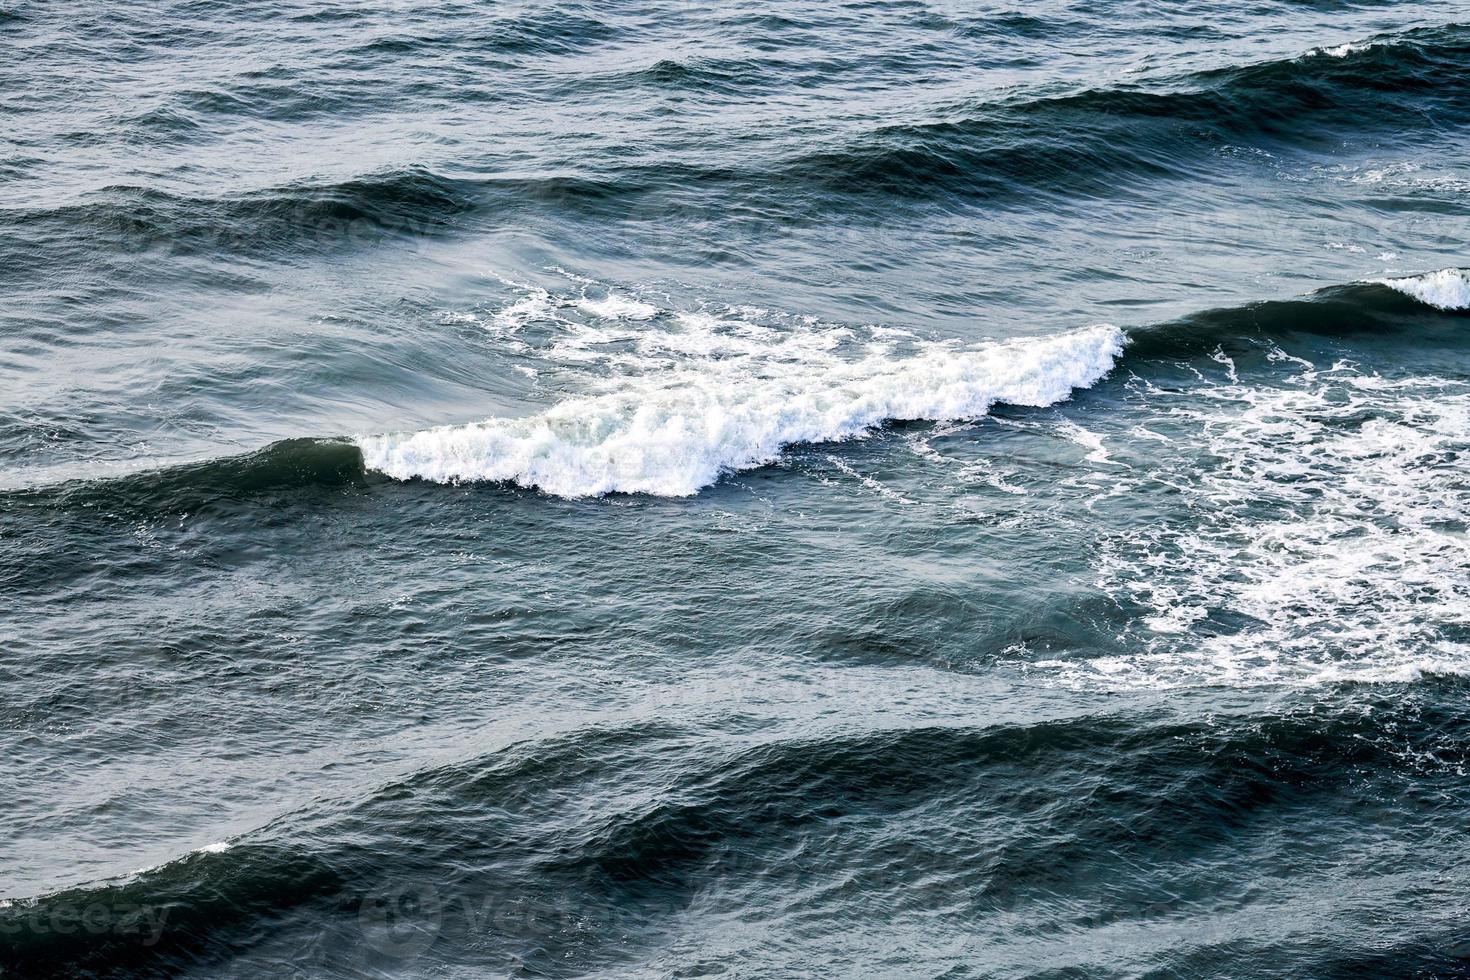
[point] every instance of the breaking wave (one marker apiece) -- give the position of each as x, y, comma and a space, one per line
672, 432
695, 396
673, 400
1447, 289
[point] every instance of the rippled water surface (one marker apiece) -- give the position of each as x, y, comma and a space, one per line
913, 489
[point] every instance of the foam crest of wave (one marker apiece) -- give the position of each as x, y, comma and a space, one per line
1447, 289
1341, 50
685, 397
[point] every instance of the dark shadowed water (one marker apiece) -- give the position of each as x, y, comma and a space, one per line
644, 489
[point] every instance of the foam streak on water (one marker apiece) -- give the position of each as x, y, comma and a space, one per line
1324, 541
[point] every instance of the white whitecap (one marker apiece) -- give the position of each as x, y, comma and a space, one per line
616, 307
1447, 289
1343, 50
678, 428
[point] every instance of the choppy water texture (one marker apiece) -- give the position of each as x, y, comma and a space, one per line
646, 489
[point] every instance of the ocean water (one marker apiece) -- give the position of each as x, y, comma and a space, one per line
646, 489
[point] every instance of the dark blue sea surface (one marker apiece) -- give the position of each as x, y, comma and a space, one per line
647, 489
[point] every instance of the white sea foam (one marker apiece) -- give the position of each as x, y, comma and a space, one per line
613, 306
537, 304
678, 402
1343, 50
1091, 441
1323, 537
1447, 289
1408, 177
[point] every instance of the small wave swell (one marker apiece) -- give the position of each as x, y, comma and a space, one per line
304, 215
282, 468
1000, 150
1379, 305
